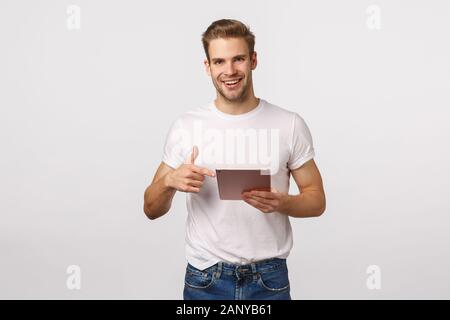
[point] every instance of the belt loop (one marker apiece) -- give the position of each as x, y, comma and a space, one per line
236, 271
219, 269
254, 271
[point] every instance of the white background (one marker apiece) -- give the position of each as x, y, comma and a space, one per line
84, 114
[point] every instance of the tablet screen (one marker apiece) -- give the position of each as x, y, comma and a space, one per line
232, 182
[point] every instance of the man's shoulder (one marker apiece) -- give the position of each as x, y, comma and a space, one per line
277, 110
191, 114
196, 112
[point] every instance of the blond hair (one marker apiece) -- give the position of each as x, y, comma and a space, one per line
228, 28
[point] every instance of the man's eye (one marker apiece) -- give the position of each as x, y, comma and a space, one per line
217, 62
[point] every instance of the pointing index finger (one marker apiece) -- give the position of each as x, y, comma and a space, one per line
204, 171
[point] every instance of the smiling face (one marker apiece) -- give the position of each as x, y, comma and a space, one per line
230, 68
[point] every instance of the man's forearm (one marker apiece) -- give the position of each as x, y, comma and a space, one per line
304, 205
158, 198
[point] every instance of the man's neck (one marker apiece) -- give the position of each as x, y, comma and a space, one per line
238, 107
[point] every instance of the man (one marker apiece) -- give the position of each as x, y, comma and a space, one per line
236, 249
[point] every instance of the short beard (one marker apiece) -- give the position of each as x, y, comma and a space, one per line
239, 98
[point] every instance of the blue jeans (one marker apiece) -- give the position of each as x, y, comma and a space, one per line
263, 280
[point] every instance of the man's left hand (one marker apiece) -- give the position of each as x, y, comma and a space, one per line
264, 200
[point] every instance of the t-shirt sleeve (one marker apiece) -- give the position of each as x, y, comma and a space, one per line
302, 148
174, 146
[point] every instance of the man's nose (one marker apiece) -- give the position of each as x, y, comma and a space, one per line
230, 70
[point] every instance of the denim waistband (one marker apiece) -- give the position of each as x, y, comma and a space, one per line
247, 269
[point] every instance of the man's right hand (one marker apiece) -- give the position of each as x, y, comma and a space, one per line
188, 177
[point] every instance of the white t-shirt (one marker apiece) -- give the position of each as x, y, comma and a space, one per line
267, 137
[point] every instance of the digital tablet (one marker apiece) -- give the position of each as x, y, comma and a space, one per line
233, 182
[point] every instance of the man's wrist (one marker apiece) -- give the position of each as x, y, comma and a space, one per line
284, 203
167, 181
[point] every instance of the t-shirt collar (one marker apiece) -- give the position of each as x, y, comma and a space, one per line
246, 115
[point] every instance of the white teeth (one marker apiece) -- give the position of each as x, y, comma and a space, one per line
232, 82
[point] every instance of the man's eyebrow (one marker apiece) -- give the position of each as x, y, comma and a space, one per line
235, 57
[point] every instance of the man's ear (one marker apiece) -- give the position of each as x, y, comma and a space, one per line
254, 60
207, 67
